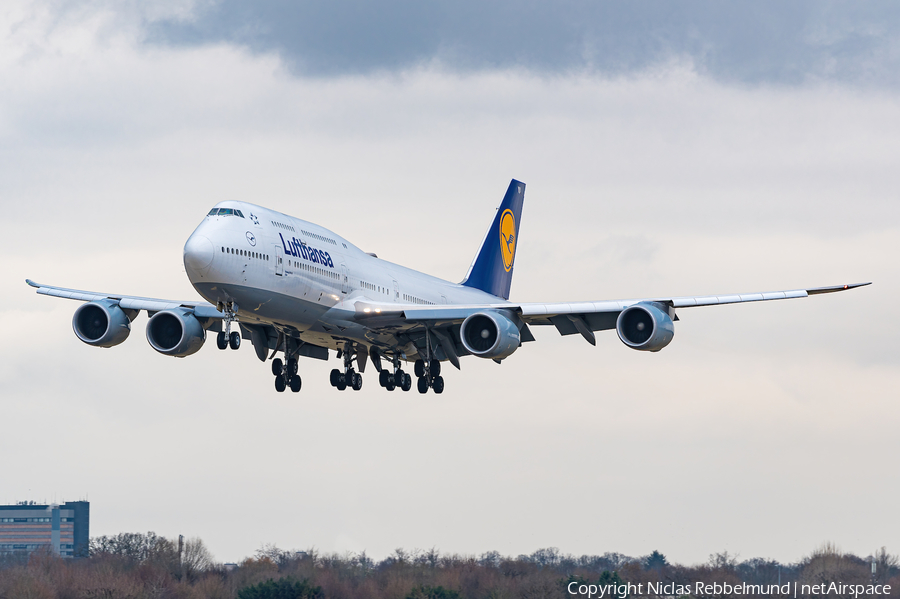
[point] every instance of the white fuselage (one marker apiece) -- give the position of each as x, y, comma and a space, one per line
296, 275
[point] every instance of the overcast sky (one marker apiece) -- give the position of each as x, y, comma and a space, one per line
669, 149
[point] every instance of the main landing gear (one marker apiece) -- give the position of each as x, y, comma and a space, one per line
429, 376
286, 372
286, 375
429, 370
349, 378
228, 337
398, 378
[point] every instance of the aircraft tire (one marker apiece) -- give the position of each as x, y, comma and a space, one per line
296, 383
357, 381
435, 368
407, 382
420, 368
383, 378
438, 384
335, 377
292, 366
234, 340
221, 340
277, 366
422, 384
279, 384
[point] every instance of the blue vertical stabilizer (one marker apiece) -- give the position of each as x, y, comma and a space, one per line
492, 269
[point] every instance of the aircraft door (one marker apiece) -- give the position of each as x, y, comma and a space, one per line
396, 292
279, 261
345, 279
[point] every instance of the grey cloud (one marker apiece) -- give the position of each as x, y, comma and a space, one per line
748, 42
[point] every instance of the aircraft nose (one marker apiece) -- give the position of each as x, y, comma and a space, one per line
198, 252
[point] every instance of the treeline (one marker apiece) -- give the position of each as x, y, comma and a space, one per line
147, 566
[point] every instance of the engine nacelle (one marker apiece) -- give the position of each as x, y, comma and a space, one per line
175, 332
101, 323
645, 327
490, 335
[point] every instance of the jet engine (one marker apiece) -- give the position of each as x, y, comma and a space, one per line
490, 335
102, 323
645, 327
175, 332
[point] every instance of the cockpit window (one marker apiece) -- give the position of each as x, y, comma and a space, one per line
225, 212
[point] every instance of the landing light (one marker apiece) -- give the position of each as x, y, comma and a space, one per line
367, 310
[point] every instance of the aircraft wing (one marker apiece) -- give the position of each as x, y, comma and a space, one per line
568, 318
128, 302
583, 317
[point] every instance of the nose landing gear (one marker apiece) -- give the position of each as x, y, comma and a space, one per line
228, 337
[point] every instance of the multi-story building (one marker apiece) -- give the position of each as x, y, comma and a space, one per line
27, 527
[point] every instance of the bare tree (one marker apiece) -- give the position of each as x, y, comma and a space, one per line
195, 558
723, 561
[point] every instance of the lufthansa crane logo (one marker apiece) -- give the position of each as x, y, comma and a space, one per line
251, 238
507, 238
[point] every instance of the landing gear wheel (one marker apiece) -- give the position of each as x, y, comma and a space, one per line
296, 383
420, 368
342, 382
438, 384
422, 384
277, 366
391, 385
435, 368
279, 384
383, 377
234, 340
406, 385
335, 377
221, 340
398, 377
292, 366
357, 381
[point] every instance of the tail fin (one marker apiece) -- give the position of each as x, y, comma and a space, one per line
492, 269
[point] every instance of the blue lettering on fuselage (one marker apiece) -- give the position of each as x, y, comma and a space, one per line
295, 248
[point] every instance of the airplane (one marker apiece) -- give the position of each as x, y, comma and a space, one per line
294, 287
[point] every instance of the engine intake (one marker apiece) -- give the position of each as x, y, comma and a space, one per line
101, 323
175, 333
490, 335
645, 327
